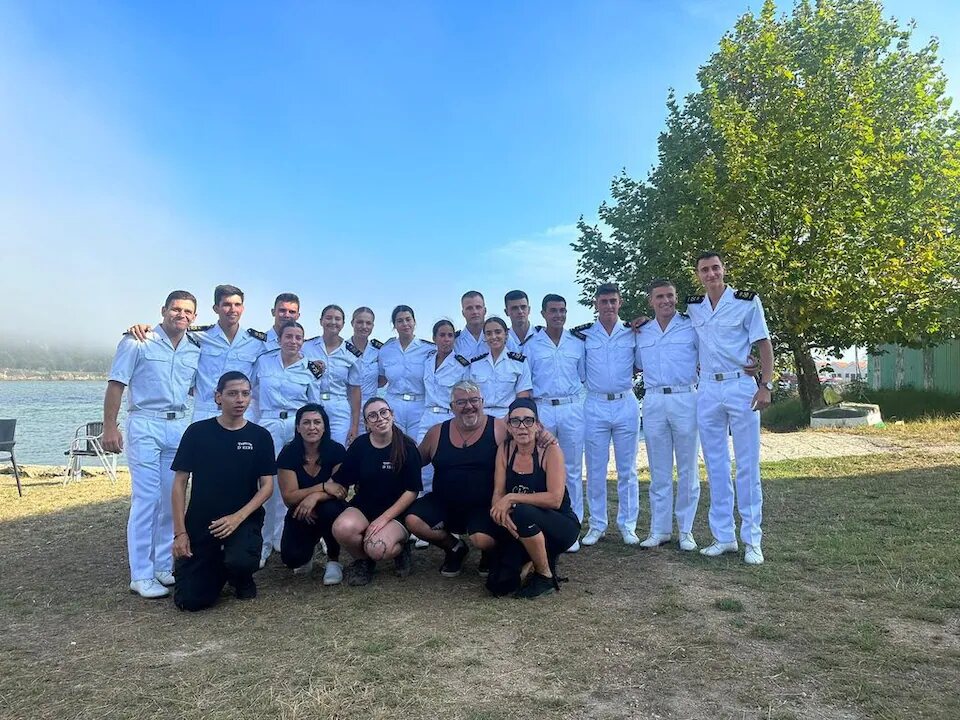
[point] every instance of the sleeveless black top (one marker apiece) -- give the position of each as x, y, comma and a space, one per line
535, 482
463, 476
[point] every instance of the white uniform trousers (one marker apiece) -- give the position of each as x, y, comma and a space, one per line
151, 445
338, 410
721, 405
670, 432
427, 421
406, 413
618, 420
565, 422
275, 510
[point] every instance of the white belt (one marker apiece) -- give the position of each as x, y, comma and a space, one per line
556, 401
330, 396
609, 396
672, 389
438, 409
278, 414
405, 396
162, 415
718, 377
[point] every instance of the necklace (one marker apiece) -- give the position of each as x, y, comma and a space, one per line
467, 438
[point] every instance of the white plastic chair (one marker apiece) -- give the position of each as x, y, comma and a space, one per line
87, 442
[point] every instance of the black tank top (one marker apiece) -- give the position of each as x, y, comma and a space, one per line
535, 482
463, 476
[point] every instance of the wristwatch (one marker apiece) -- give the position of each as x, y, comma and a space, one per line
767, 385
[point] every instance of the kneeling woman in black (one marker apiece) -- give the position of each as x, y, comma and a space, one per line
384, 467
530, 502
305, 465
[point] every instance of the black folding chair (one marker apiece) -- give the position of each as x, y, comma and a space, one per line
8, 429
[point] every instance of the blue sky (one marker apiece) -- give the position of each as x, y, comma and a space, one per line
359, 153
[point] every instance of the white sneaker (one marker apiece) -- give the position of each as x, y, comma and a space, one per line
687, 542
575, 548
716, 548
630, 537
419, 543
304, 569
165, 578
592, 538
653, 540
753, 555
149, 589
333, 573
321, 548
265, 551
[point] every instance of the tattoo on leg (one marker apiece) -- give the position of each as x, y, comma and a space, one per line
376, 548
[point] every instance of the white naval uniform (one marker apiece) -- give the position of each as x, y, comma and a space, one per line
369, 372
272, 342
469, 346
610, 411
668, 359
500, 380
342, 371
403, 368
158, 378
726, 334
438, 385
558, 371
217, 356
281, 391
515, 343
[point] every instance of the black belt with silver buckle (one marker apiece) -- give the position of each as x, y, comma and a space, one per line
284, 414
171, 416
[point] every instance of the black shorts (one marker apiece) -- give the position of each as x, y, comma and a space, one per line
453, 518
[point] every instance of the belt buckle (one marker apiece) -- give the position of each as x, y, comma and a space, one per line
284, 414
406, 396
171, 416
667, 391
554, 401
718, 376
324, 396
611, 396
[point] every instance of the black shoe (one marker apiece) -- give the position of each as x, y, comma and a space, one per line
403, 563
483, 567
453, 562
246, 589
361, 572
536, 586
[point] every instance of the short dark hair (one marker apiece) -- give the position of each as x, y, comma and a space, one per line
180, 295
332, 307
514, 295
362, 309
707, 254
659, 283
286, 297
289, 324
399, 309
606, 289
552, 297
230, 376
472, 293
498, 320
439, 324
222, 291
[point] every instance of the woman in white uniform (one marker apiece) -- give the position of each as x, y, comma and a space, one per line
401, 369
283, 381
362, 323
340, 385
502, 376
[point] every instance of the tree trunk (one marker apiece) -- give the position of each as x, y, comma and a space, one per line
808, 380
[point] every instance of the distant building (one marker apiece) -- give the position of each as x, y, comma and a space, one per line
936, 368
841, 371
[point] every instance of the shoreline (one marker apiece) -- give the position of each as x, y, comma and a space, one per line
14, 374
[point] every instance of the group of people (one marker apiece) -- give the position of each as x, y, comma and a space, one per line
374, 446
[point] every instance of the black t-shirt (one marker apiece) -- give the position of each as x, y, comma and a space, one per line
332, 454
226, 466
378, 486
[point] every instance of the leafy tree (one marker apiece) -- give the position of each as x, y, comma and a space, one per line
821, 158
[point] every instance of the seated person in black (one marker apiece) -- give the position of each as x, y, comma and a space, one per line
530, 503
230, 464
384, 466
304, 468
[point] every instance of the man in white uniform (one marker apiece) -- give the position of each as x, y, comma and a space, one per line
558, 368
158, 373
470, 341
286, 308
516, 305
728, 322
610, 413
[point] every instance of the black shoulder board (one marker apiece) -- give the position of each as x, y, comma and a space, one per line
537, 329
192, 339
578, 334
316, 368
199, 328
478, 357
628, 326
744, 294
694, 299
377, 344
456, 333
428, 342
315, 337
581, 328
462, 360
519, 357
683, 315
261, 336
353, 348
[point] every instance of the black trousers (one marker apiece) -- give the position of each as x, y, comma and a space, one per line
215, 562
300, 538
559, 530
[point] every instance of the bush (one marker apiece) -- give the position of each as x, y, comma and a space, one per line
785, 414
910, 404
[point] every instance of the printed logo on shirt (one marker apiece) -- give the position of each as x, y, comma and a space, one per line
521, 490
244, 445
386, 465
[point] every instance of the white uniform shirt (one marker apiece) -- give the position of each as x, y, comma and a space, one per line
369, 369
727, 332
558, 370
157, 375
342, 365
609, 360
500, 380
438, 382
218, 355
276, 387
468, 346
515, 343
668, 357
272, 342
403, 368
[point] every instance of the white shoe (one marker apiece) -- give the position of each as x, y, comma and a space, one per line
753, 555
321, 547
304, 569
630, 538
687, 542
653, 541
149, 589
592, 538
165, 578
333, 573
419, 543
265, 551
716, 548
574, 548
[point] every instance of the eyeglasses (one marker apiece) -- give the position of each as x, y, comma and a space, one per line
475, 401
527, 422
377, 414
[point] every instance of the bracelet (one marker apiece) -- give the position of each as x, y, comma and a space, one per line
176, 535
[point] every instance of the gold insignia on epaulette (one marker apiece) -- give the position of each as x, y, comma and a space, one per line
353, 349
316, 368
478, 357
693, 299
261, 336
462, 360
744, 294
581, 328
376, 343
199, 328
519, 357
